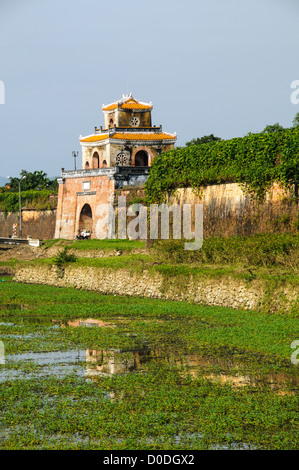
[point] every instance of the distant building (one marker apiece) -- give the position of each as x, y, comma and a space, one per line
115, 156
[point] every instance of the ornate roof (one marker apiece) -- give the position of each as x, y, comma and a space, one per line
127, 102
94, 138
130, 136
142, 136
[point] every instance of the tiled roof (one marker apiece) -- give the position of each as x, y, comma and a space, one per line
129, 136
94, 138
142, 136
128, 102
132, 104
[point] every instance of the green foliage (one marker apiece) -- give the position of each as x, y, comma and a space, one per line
203, 140
257, 250
108, 245
64, 257
33, 199
36, 180
254, 161
273, 128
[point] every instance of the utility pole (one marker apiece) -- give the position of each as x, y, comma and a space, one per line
20, 205
75, 155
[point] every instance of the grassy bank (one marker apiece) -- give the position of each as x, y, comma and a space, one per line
262, 250
259, 272
91, 245
140, 262
268, 250
272, 257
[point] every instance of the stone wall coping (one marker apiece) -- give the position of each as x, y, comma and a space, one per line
88, 173
112, 130
115, 171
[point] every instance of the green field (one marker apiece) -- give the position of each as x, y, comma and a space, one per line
150, 374
103, 245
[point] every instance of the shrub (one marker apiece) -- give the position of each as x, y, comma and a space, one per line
63, 257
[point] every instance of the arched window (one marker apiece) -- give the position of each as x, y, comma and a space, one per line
141, 158
95, 160
111, 123
86, 165
104, 164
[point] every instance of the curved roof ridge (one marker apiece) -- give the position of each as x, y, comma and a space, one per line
144, 136
128, 100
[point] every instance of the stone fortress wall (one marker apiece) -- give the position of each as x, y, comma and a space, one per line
224, 291
228, 210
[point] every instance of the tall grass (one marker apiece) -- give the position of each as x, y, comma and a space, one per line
257, 250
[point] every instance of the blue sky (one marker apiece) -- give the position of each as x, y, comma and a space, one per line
208, 66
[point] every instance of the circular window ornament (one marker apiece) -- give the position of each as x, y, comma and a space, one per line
134, 121
123, 159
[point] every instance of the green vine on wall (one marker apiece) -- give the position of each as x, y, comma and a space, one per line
32, 199
255, 161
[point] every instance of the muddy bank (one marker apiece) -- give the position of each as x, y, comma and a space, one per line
6, 271
28, 253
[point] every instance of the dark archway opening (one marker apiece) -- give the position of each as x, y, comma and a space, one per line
85, 220
141, 158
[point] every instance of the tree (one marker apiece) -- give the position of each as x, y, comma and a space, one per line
272, 128
203, 140
36, 180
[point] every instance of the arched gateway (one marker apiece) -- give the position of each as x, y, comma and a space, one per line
115, 156
85, 220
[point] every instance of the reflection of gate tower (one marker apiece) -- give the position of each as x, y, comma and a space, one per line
117, 155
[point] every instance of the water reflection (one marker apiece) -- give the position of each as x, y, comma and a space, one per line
88, 363
110, 362
43, 364
13, 307
228, 371
90, 322
114, 361
97, 363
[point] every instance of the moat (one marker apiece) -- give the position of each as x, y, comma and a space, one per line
85, 370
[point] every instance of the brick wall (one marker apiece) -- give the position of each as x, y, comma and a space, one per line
228, 210
37, 224
72, 198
